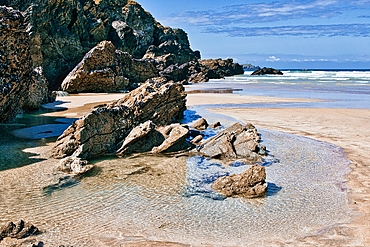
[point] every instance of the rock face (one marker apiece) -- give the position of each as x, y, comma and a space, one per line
250, 183
105, 129
39, 92
15, 67
18, 230
59, 43
105, 69
267, 71
237, 141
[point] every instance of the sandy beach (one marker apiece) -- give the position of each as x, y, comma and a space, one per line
346, 128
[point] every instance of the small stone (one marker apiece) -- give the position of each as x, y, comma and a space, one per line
201, 124
215, 125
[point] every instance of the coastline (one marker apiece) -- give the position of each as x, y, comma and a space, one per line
345, 128
279, 119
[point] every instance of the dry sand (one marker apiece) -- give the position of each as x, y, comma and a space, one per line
346, 128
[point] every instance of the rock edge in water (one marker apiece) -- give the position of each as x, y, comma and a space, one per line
250, 183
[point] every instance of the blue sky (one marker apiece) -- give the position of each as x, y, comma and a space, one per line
326, 34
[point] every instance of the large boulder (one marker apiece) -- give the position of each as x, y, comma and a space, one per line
267, 71
218, 68
105, 129
59, 43
105, 69
250, 183
235, 142
15, 66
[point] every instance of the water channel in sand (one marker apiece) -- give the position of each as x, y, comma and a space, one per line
170, 198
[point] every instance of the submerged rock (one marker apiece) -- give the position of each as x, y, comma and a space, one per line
250, 183
75, 166
19, 229
237, 141
104, 130
267, 71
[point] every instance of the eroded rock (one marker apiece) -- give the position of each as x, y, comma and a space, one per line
19, 229
15, 66
105, 129
105, 69
74, 166
250, 183
237, 141
201, 124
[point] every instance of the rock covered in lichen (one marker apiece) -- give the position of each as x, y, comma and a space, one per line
15, 66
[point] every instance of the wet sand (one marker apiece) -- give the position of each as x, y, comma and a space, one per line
346, 128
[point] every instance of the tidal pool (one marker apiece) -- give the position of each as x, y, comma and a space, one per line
143, 197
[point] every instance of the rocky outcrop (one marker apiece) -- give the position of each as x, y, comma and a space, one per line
18, 230
59, 43
237, 141
201, 124
250, 67
105, 69
104, 130
250, 183
267, 71
15, 67
202, 70
39, 92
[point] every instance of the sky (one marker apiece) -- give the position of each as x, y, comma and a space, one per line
324, 34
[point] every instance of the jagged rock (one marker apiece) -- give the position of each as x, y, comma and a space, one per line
75, 166
267, 71
18, 230
39, 92
105, 129
196, 140
15, 67
250, 183
201, 124
218, 68
215, 125
59, 43
175, 135
237, 141
142, 138
105, 69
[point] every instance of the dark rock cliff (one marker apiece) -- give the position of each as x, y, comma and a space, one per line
15, 67
58, 44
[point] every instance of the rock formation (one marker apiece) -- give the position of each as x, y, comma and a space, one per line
105, 129
250, 67
267, 71
250, 183
21, 86
15, 67
105, 69
237, 141
58, 44
74, 166
201, 124
18, 230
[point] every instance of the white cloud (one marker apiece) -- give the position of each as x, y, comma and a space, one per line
272, 59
